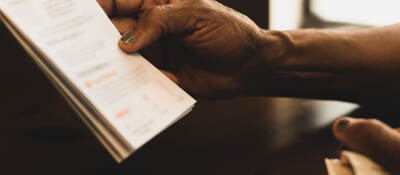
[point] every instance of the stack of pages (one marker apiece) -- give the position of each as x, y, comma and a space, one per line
123, 99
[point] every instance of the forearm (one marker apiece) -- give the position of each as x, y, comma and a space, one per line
335, 64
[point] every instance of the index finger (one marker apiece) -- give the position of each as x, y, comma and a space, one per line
122, 7
128, 7
107, 5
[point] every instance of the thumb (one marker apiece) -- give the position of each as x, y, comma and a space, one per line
370, 137
155, 23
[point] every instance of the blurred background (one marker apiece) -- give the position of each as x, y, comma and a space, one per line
294, 14
261, 136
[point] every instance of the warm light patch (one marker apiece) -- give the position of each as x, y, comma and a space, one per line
366, 12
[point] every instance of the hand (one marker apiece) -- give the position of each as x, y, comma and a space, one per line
207, 48
371, 138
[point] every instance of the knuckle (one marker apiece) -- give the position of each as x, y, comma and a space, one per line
200, 2
193, 2
155, 11
202, 9
154, 15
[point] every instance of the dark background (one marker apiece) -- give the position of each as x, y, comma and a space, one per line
40, 134
256, 10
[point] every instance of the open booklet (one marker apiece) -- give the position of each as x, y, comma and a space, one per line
123, 99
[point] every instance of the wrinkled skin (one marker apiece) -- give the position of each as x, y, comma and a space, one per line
207, 48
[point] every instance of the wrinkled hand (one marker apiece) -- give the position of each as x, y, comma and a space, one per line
371, 138
207, 48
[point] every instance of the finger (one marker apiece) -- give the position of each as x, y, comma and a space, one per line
370, 137
107, 5
171, 76
124, 24
398, 129
148, 4
153, 53
159, 21
127, 7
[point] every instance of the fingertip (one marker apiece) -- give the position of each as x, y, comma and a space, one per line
341, 125
128, 38
350, 130
127, 49
127, 42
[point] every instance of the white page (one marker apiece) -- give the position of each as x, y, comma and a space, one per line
136, 98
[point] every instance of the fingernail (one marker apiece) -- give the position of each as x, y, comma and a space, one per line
128, 38
343, 123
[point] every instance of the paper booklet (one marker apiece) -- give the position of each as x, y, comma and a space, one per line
123, 99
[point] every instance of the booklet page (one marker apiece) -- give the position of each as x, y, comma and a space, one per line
80, 40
